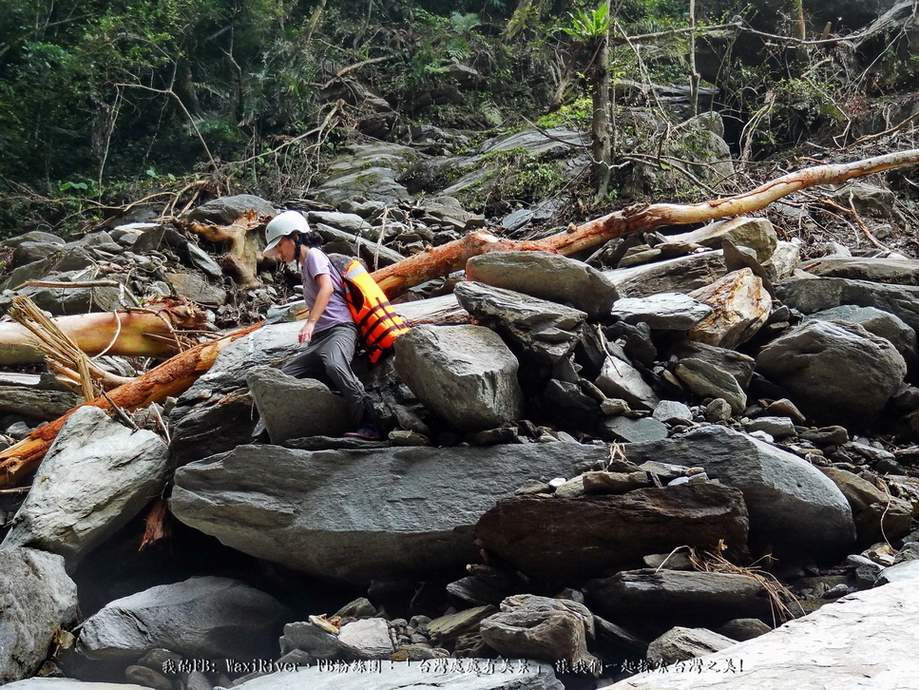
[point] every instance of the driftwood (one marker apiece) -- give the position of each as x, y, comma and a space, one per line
151, 332
177, 374
244, 250
172, 377
452, 256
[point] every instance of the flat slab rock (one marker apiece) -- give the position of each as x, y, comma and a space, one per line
864, 640
557, 538
390, 510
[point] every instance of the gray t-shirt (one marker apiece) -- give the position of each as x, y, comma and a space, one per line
336, 312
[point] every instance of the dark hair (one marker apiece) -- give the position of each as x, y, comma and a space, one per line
311, 238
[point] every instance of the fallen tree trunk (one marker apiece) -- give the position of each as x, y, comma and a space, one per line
172, 377
177, 374
452, 256
149, 333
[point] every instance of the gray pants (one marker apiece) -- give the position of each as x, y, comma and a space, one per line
327, 357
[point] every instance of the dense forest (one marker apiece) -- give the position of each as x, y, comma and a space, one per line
106, 103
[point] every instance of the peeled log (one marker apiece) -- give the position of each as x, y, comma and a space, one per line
452, 256
172, 377
93, 333
128, 334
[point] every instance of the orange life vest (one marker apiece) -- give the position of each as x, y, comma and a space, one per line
377, 321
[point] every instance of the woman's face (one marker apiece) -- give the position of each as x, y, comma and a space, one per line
286, 249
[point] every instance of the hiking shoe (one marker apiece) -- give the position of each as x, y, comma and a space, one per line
367, 432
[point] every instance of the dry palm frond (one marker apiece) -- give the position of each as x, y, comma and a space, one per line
781, 600
61, 353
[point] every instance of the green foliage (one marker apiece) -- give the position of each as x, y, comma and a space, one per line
794, 108
513, 177
588, 25
575, 114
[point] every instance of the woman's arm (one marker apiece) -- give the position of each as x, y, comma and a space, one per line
322, 300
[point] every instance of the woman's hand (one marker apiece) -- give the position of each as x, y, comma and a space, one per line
306, 333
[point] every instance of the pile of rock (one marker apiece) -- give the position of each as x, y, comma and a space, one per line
583, 464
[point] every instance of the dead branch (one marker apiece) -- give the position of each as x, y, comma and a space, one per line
66, 286
442, 260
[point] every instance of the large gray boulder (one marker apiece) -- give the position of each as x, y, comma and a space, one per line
464, 374
834, 371
809, 295
545, 330
227, 209
202, 617
881, 323
837, 646
464, 674
671, 311
97, 475
619, 379
37, 598
682, 274
216, 413
553, 538
534, 627
294, 408
359, 515
792, 505
877, 270
681, 643
547, 276
758, 234
34, 400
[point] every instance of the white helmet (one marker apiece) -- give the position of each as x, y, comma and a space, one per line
283, 225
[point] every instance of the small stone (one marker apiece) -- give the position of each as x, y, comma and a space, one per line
741, 629
634, 430
359, 608
825, 436
785, 408
403, 437
835, 591
452, 625
613, 482
762, 436
718, 410
491, 437
572, 488
909, 552
534, 486
672, 412
141, 675
675, 560
367, 638
613, 407
777, 427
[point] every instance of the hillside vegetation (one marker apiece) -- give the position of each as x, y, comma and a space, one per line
105, 104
